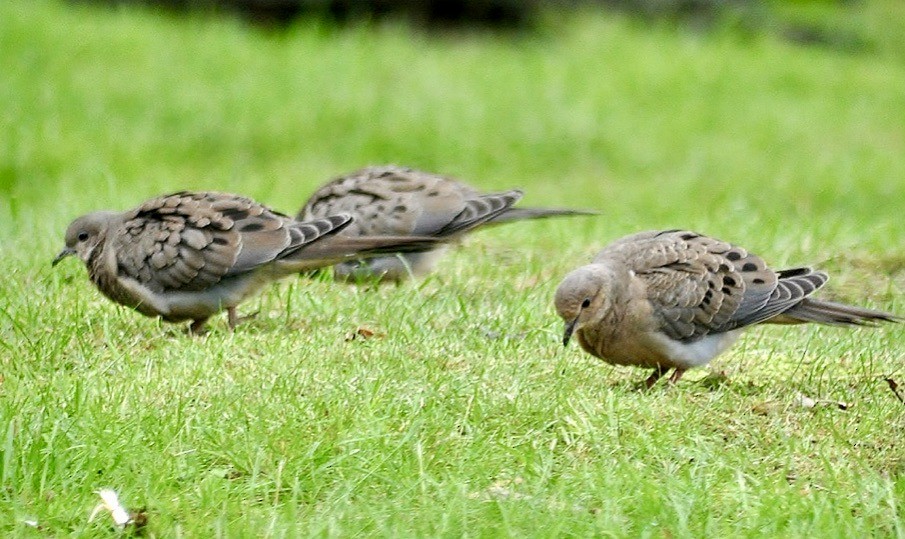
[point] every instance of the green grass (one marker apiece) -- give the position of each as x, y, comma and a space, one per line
463, 415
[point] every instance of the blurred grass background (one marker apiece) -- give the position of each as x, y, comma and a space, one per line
777, 126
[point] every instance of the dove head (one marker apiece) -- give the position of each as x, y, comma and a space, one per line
581, 297
85, 233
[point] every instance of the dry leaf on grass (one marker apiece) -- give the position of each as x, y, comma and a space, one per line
807, 402
766, 407
363, 332
894, 387
801, 400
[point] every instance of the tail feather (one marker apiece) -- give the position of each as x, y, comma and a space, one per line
479, 211
335, 249
520, 214
306, 232
834, 314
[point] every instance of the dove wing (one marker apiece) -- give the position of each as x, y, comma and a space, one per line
189, 241
699, 285
390, 200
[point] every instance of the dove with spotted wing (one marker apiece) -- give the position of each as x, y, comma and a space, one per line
677, 299
394, 200
189, 255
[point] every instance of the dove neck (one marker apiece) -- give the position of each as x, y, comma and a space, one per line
99, 264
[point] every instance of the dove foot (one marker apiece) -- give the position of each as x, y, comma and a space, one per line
652, 379
233, 319
676, 374
197, 327
657, 374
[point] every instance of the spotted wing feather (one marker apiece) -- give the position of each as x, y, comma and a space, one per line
164, 246
189, 241
699, 285
390, 200
693, 289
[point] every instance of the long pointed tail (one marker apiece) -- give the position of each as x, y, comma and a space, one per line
479, 211
520, 214
334, 249
835, 314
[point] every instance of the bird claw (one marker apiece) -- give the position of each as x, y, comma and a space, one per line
234, 319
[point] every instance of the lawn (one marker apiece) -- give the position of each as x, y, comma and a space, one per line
462, 415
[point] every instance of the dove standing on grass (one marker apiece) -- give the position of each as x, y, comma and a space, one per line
677, 299
393, 200
189, 255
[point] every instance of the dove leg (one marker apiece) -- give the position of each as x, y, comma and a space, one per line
652, 379
233, 319
676, 374
197, 327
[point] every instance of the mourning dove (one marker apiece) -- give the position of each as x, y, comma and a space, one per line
677, 299
189, 255
396, 200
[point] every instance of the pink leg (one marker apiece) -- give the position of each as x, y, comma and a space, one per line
652, 379
233, 319
197, 326
676, 375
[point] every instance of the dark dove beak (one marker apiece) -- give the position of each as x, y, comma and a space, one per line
63, 254
567, 334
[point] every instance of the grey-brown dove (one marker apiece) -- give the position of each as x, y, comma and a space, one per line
189, 255
393, 200
677, 299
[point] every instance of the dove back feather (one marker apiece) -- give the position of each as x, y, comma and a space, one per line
189, 241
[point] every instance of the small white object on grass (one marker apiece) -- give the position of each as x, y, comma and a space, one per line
111, 503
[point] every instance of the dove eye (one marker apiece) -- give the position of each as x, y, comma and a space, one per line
82, 236
586, 303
